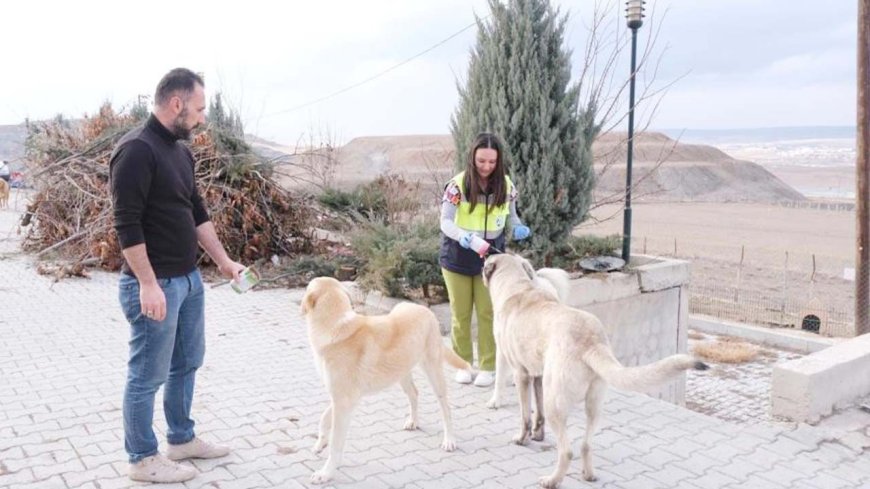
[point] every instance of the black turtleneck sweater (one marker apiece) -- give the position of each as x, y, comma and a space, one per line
155, 198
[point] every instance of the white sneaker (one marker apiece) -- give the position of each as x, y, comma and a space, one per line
485, 378
196, 448
158, 468
463, 376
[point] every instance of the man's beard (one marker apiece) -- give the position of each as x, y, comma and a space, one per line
178, 127
180, 130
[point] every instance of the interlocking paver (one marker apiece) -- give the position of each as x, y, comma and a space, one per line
55, 482
22, 476
827, 481
76, 479
670, 475
712, 480
62, 377
363, 471
699, 463
756, 481
763, 457
638, 482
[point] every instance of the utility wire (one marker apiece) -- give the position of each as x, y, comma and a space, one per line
376, 76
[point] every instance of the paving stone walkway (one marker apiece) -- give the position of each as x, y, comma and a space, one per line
63, 349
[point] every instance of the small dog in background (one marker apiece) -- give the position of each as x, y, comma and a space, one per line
555, 281
4, 194
358, 355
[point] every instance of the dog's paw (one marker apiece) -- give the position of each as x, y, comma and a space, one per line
493, 403
521, 439
320, 477
589, 476
538, 431
410, 424
549, 482
319, 445
448, 445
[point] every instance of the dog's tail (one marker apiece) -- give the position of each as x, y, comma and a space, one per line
455, 360
558, 279
600, 359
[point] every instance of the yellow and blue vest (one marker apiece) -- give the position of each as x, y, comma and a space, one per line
488, 225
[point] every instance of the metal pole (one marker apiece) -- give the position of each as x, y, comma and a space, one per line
862, 212
626, 217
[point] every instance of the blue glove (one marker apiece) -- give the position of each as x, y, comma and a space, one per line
465, 241
521, 232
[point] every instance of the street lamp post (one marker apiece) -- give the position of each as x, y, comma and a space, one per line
634, 17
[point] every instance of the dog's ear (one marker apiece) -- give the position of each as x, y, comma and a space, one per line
530, 271
308, 302
488, 270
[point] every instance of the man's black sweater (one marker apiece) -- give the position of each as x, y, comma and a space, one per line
155, 198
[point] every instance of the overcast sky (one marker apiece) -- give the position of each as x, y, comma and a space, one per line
735, 64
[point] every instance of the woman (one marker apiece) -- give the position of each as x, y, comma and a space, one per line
474, 211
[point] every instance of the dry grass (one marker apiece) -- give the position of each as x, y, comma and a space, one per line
726, 350
694, 335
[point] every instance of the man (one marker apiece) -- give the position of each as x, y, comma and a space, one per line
160, 218
5, 172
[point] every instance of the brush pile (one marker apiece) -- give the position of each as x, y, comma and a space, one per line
69, 218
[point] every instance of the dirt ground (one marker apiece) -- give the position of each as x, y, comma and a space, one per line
770, 254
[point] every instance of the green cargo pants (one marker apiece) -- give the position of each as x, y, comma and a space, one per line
466, 293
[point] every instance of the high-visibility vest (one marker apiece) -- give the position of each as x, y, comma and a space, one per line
479, 220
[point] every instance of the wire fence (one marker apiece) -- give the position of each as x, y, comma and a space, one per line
765, 286
807, 313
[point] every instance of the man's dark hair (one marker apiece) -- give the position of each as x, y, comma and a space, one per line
177, 80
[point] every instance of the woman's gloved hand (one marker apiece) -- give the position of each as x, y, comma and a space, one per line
473, 242
521, 232
465, 240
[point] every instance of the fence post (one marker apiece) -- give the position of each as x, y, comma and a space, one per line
784, 289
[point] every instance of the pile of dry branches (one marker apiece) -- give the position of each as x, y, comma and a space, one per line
69, 218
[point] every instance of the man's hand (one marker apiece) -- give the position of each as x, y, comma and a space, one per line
152, 301
230, 269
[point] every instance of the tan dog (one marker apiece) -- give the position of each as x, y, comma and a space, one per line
569, 349
359, 355
4, 194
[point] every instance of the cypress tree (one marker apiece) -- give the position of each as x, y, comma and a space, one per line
518, 86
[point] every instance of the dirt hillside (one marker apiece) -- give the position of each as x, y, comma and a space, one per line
663, 169
666, 171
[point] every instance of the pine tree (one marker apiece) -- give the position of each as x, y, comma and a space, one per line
519, 87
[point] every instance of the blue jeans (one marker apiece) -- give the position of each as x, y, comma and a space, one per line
167, 351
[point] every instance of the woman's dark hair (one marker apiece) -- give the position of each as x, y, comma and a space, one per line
178, 80
496, 182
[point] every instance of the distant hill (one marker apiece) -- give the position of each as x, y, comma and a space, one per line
665, 169
762, 134
670, 171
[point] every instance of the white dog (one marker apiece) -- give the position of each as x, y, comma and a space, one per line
555, 282
568, 350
